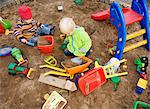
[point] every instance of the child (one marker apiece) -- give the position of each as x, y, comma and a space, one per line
77, 41
28, 30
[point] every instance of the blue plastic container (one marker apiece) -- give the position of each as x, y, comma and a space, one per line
139, 90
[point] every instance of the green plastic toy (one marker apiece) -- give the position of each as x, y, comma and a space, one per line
138, 64
116, 81
5, 23
98, 60
79, 2
144, 105
14, 69
63, 46
16, 53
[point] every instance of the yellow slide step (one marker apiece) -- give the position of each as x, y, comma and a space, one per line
136, 34
136, 45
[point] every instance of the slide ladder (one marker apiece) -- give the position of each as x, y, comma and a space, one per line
121, 18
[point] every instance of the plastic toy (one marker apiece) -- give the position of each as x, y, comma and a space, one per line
97, 76
78, 69
1, 29
98, 60
58, 74
55, 101
5, 23
91, 80
57, 82
7, 32
108, 69
5, 51
79, 2
54, 68
16, 53
45, 44
60, 8
120, 18
141, 85
63, 46
116, 81
140, 103
51, 61
141, 65
14, 69
144, 60
52, 65
68, 72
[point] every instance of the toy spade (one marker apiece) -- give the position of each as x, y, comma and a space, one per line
116, 81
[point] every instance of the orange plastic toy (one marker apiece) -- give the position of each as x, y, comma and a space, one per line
91, 80
45, 44
80, 68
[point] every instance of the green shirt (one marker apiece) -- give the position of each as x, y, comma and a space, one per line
79, 43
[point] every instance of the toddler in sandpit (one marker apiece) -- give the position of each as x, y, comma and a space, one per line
77, 41
27, 30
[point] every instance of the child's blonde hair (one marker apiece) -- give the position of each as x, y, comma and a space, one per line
67, 25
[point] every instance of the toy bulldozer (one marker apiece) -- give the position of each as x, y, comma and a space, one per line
14, 69
16, 53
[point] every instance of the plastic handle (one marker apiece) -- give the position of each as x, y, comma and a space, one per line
115, 87
143, 104
1, 18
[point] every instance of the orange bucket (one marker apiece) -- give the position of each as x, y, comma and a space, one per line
80, 68
45, 44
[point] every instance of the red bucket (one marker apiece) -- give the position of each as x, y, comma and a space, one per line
45, 44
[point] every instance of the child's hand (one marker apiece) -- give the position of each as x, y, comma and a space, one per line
62, 36
24, 41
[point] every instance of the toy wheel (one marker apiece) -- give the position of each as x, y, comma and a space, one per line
144, 60
143, 69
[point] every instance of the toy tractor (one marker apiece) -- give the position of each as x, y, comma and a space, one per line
14, 69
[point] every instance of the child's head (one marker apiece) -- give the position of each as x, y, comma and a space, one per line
67, 25
25, 13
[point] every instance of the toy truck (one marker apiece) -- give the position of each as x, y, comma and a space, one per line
14, 69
